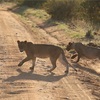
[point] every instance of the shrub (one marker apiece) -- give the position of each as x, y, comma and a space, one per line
61, 9
33, 3
92, 12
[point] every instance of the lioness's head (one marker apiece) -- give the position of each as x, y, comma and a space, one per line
69, 46
22, 45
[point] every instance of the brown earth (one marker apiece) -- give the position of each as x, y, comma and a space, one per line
19, 83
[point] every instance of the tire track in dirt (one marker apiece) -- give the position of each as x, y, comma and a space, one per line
20, 83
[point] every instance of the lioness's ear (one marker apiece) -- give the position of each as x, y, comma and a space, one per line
70, 43
25, 41
18, 41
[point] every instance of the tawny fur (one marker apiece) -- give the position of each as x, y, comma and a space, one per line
84, 50
42, 51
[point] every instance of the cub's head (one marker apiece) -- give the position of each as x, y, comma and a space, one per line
22, 45
69, 46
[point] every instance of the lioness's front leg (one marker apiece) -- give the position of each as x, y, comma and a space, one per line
23, 61
73, 56
33, 63
77, 59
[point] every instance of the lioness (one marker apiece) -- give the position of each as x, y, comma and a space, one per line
42, 51
84, 51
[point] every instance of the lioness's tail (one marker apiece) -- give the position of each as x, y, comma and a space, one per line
64, 61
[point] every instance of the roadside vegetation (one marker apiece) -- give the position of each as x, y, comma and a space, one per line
78, 20
87, 10
75, 17
67, 10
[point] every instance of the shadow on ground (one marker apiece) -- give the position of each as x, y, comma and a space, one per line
86, 69
31, 76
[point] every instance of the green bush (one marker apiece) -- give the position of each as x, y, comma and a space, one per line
91, 11
61, 9
16, 1
33, 3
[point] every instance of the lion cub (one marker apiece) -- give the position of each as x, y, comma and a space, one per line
84, 51
42, 51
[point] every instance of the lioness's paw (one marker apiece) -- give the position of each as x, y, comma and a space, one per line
75, 70
20, 64
66, 71
49, 70
31, 68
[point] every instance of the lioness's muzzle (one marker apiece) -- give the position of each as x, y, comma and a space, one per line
67, 49
21, 50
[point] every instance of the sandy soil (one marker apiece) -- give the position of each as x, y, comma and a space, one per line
19, 83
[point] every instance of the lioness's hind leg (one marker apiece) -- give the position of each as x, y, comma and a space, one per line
53, 61
33, 64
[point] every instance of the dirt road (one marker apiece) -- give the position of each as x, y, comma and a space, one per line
22, 84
